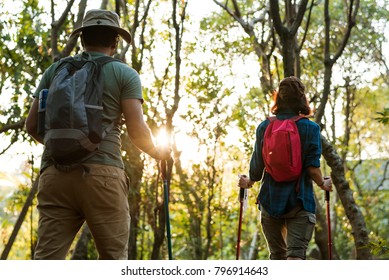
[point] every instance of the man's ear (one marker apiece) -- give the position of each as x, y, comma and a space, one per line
82, 41
114, 46
116, 41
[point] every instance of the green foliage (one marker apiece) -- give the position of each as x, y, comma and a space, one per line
380, 248
248, 113
384, 116
24, 56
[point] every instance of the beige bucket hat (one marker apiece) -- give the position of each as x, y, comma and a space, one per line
105, 18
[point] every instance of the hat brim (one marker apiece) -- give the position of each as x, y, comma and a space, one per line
122, 32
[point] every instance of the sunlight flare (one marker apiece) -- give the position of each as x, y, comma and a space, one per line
163, 138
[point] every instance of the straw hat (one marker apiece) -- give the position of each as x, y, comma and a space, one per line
105, 18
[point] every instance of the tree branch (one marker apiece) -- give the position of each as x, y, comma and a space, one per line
328, 61
13, 126
351, 19
384, 178
234, 14
275, 15
55, 26
71, 43
299, 18
307, 26
236, 8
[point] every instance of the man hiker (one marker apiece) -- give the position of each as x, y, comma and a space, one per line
288, 207
96, 191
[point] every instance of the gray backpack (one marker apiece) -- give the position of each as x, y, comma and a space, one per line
73, 116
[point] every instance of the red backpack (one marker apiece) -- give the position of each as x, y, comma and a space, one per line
281, 149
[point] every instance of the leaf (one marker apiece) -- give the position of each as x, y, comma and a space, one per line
384, 116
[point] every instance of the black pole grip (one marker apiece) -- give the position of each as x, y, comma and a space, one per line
241, 194
163, 169
327, 196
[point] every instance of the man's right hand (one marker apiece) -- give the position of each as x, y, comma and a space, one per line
161, 153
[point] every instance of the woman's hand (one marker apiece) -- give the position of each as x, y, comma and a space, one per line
327, 184
245, 182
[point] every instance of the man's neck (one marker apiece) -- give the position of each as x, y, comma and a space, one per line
105, 50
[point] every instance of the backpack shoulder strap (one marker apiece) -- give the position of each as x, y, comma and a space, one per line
70, 63
106, 59
78, 63
297, 118
272, 118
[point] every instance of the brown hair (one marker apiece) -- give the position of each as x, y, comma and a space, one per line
291, 95
99, 36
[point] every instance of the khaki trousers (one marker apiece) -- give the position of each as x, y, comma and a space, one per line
289, 235
67, 200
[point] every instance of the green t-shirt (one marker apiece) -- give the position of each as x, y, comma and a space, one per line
120, 82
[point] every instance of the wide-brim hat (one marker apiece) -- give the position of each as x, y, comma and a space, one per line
103, 18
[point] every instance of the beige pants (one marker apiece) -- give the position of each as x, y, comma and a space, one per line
289, 235
67, 200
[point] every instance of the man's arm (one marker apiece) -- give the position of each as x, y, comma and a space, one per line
138, 130
32, 121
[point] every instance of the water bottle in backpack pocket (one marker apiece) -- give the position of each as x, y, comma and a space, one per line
42, 112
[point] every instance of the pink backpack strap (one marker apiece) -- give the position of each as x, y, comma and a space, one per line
297, 118
272, 118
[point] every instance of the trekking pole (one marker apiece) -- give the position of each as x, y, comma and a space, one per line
242, 197
327, 199
166, 204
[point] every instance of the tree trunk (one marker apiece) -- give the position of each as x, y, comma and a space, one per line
288, 58
352, 210
133, 165
287, 33
19, 221
321, 234
160, 215
159, 231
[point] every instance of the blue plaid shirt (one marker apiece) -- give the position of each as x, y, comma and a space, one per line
280, 198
